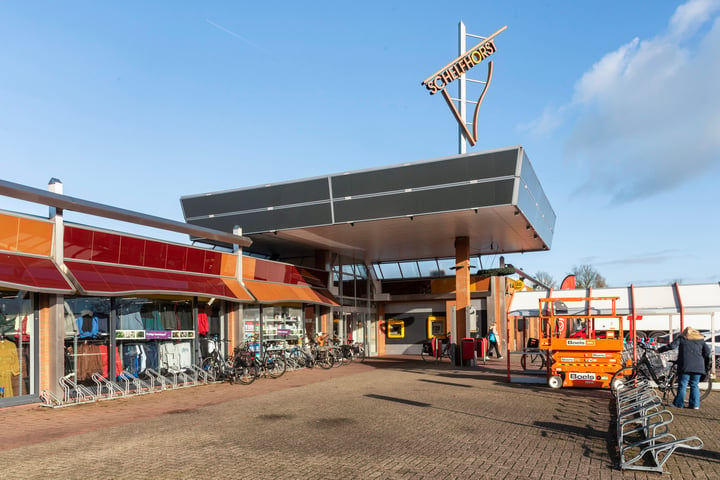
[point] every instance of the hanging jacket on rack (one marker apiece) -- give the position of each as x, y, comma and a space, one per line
203, 326
104, 355
185, 353
9, 366
87, 326
151, 354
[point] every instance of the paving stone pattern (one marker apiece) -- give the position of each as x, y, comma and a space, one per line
389, 418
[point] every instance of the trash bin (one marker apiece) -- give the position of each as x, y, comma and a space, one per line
436, 346
482, 346
467, 349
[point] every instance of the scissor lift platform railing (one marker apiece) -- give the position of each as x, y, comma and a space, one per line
586, 357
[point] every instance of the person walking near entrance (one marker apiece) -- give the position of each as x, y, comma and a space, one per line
493, 340
692, 363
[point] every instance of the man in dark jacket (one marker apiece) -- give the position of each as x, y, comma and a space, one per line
693, 360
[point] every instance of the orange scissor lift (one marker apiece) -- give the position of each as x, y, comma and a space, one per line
581, 355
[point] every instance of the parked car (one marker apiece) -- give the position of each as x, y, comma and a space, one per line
665, 339
709, 340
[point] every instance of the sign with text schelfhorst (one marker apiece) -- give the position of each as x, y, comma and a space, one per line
438, 81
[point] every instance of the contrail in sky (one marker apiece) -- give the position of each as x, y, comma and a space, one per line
220, 27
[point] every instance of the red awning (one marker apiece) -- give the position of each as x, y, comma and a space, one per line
114, 280
31, 273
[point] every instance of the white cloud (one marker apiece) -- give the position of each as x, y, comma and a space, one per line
550, 119
690, 16
648, 113
603, 76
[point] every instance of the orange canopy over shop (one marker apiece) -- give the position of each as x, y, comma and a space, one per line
267, 292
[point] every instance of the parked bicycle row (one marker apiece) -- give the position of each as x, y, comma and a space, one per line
252, 360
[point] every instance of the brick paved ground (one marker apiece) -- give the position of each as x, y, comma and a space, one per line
390, 418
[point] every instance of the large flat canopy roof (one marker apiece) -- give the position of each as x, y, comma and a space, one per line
408, 211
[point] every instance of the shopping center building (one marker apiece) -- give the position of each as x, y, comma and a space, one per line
387, 257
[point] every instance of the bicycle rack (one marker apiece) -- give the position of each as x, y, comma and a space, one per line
105, 388
181, 379
127, 385
200, 375
74, 392
157, 381
134, 385
49, 399
643, 434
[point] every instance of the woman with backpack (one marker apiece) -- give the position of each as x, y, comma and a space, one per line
493, 340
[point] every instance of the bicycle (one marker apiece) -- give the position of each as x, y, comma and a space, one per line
248, 365
321, 354
653, 366
534, 358
436, 349
298, 357
338, 352
218, 366
358, 351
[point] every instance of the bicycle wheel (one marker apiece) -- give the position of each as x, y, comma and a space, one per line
624, 376
336, 356
324, 359
360, 352
246, 375
309, 360
532, 361
348, 353
705, 387
429, 357
210, 367
275, 366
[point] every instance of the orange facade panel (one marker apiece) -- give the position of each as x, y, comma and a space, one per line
228, 264
267, 292
237, 289
447, 285
25, 235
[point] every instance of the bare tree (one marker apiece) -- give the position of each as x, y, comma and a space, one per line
586, 276
545, 279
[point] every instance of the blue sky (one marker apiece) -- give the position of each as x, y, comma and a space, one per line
135, 104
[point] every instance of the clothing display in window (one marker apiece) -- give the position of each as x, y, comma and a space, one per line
203, 325
167, 316
151, 318
185, 351
71, 327
24, 326
88, 326
184, 316
16, 324
131, 321
169, 357
88, 360
133, 358
151, 354
9, 367
7, 324
104, 351
103, 321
